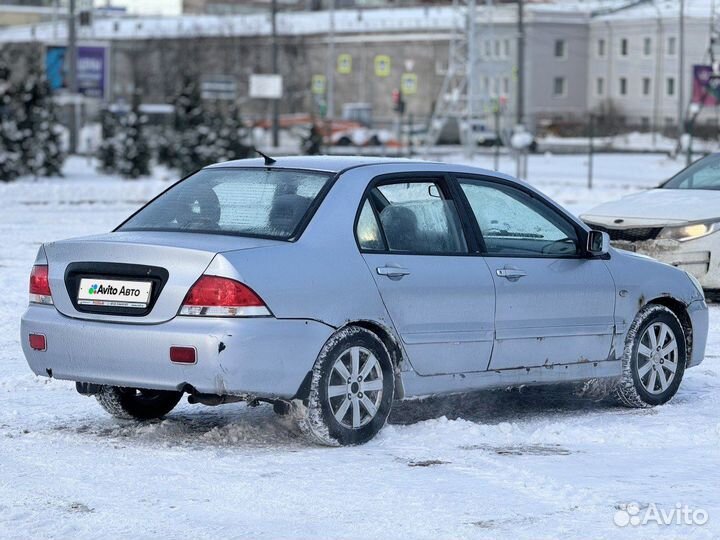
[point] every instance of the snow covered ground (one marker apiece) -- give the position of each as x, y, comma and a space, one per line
534, 464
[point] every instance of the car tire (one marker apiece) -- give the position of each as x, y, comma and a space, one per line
351, 390
137, 404
654, 358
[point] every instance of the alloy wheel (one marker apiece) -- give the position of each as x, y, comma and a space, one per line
355, 387
657, 360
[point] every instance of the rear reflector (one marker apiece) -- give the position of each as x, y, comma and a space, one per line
183, 355
214, 296
40, 285
38, 342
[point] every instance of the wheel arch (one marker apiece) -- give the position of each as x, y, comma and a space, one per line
392, 344
679, 308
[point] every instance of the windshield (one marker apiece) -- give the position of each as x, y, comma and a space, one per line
703, 174
247, 202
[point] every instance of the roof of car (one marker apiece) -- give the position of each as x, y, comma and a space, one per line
317, 163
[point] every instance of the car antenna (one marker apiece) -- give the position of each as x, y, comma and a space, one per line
268, 160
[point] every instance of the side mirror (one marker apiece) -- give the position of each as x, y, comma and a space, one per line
598, 243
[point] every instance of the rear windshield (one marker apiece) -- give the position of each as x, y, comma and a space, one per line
246, 202
703, 174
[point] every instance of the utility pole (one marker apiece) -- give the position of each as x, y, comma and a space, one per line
72, 86
55, 8
681, 71
331, 61
275, 102
496, 144
520, 106
591, 149
472, 93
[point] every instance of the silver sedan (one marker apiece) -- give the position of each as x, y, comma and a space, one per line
331, 287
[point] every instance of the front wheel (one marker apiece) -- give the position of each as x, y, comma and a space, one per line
351, 391
137, 404
654, 359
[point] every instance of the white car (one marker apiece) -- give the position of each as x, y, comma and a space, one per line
677, 223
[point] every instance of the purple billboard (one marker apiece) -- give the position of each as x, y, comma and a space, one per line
91, 69
706, 86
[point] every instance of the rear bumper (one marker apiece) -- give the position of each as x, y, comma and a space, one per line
265, 357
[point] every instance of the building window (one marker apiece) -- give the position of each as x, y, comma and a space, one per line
488, 49
497, 48
645, 123
623, 86
646, 86
669, 121
601, 47
624, 47
559, 86
600, 86
670, 86
560, 48
672, 46
647, 46
506, 45
506, 85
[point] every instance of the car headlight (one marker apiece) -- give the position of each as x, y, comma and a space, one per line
689, 232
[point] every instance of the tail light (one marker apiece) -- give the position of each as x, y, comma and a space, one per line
214, 296
40, 285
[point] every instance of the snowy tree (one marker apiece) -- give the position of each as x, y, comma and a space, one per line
10, 157
132, 146
201, 134
107, 153
40, 134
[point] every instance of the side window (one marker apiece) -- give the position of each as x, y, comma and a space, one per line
417, 218
368, 230
514, 224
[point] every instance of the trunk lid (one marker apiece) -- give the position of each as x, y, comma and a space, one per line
171, 261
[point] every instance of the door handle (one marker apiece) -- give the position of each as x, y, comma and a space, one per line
393, 272
510, 273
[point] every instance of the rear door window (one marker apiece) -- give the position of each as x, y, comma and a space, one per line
248, 202
415, 217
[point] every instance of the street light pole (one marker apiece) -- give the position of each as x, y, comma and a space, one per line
330, 111
695, 109
472, 80
275, 102
681, 71
520, 107
72, 86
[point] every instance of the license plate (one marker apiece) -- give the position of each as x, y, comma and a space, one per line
115, 293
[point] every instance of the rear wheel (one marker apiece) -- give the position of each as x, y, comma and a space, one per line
137, 404
351, 391
654, 359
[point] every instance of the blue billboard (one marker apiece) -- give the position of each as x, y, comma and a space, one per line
91, 69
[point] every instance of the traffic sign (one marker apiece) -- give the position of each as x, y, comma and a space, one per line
344, 64
318, 84
409, 83
382, 65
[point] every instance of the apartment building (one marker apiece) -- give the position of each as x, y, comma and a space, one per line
635, 63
